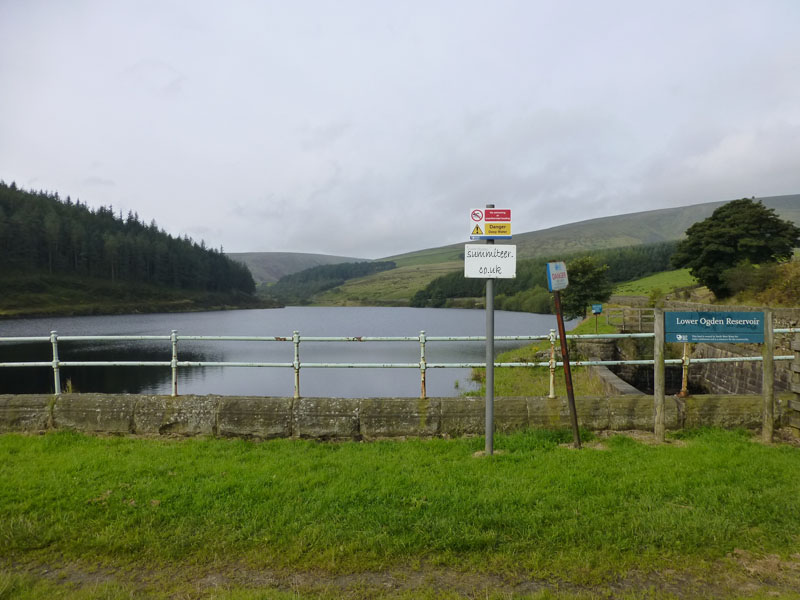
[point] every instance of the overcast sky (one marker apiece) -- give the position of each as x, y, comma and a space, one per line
368, 128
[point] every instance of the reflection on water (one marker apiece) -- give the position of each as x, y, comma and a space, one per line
374, 322
125, 380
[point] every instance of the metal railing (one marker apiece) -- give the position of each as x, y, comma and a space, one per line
296, 364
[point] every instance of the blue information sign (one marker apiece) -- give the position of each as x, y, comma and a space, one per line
719, 327
597, 309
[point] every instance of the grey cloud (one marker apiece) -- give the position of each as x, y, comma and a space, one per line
98, 181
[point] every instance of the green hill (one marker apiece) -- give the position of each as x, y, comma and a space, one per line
606, 232
268, 267
417, 269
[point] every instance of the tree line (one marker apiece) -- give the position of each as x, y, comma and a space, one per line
299, 288
598, 270
41, 232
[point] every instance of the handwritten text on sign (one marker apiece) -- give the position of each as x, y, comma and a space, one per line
490, 262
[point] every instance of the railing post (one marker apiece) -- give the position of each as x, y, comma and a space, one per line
423, 366
686, 362
768, 378
173, 337
658, 374
56, 373
552, 364
296, 363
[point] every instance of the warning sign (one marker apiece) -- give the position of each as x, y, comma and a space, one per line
498, 229
490, 224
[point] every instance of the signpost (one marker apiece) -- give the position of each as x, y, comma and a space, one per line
557, 280
490, 263
597, 309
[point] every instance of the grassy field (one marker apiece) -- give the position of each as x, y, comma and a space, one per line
110, 517
667, 282
388, 287
535, 381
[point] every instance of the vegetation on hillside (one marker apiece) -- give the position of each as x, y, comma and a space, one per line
657, 284
736, 236
773, 284
300, 288
528, 291
40, 232
387, 288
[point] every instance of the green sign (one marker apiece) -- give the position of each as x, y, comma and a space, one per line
714, 327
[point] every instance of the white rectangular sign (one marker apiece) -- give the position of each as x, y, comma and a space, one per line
487, 261
557, 276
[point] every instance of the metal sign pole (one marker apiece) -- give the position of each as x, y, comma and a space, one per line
573, 413
489, 448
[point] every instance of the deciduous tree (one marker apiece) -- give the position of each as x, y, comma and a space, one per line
739, 231
588, 284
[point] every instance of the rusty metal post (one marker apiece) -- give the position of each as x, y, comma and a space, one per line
56, 364
552, 364
174, 363
562, 333
296, 363
422, 365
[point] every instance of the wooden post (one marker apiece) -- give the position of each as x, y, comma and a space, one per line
768, 378
658, 374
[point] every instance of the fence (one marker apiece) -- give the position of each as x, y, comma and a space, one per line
296, 364
630, 319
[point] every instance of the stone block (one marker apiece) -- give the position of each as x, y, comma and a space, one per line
510, 414
631, 412
463, 416
24, 413
94, 413
548, 412
257, 417
398, 417
326, 418
723, 411
179, 415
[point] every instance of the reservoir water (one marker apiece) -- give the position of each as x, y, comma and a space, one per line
249, 381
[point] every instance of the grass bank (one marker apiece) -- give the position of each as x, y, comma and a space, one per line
393, 288
35, 294
535, 381
665, 282
155, 517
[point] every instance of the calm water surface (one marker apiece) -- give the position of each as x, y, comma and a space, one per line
309, 321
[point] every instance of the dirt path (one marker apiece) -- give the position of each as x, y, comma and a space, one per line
740, 575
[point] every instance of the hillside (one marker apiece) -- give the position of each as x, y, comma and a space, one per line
62, 257
268, 267
606, 232
417, 269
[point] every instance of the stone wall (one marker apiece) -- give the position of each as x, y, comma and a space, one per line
735, 378
344, 418
792, 414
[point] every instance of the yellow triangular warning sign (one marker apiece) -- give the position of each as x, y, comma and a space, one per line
477, 230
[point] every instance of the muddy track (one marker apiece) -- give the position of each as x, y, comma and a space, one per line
739, 575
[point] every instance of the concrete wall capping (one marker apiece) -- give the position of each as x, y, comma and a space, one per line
353, 418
